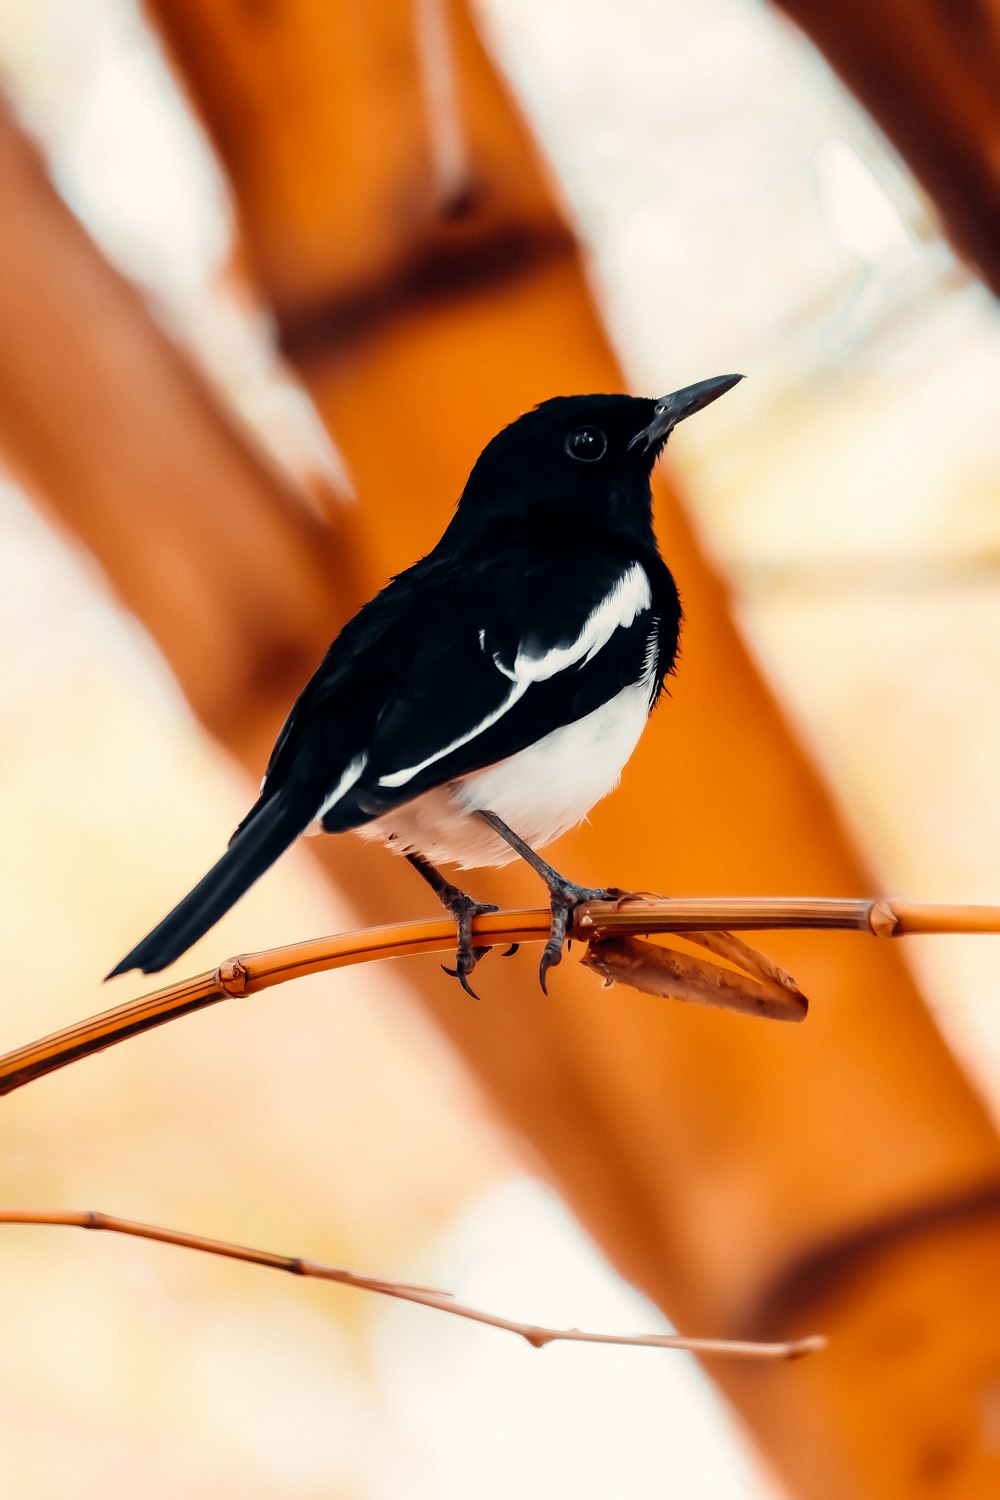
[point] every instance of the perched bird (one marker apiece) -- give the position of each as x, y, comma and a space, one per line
493, 692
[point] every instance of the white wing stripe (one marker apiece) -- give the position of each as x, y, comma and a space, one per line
350, 776
400, 778
617, 610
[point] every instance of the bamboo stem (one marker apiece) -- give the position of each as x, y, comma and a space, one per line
593, 921
535, 1334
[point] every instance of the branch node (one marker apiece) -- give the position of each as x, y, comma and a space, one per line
231, 976
882, 919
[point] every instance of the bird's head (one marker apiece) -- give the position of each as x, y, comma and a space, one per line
579, 459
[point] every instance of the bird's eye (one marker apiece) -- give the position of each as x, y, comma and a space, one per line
588, 444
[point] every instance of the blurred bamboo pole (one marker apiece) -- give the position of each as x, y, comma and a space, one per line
929, 74
726, 1177
123, 440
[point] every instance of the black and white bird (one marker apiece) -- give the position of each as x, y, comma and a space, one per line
481, 704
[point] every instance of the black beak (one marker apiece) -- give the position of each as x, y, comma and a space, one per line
670, 410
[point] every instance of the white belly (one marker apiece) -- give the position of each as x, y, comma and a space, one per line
540, 792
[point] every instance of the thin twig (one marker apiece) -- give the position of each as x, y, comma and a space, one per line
593, 922
536, 1335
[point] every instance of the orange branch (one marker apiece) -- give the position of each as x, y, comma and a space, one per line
536, 1335
598, 923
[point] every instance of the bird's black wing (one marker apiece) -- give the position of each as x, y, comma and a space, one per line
499, 660
457, 664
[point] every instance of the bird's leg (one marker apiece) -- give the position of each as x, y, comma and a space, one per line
463, 908
564, 895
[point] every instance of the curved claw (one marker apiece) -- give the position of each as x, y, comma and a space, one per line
463, 979
509, 952
563, 903
550, 958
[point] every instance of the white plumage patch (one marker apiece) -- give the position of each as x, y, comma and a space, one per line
617, 610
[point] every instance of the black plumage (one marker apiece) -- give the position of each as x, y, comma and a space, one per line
533, 640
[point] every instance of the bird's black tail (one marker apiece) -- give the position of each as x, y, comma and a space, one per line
273, 824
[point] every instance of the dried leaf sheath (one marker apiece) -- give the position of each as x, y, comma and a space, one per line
678, 976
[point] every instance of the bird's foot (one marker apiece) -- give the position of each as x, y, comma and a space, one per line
564, 897
464, 909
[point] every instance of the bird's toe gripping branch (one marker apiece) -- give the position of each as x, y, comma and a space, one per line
464, 909
564, 898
